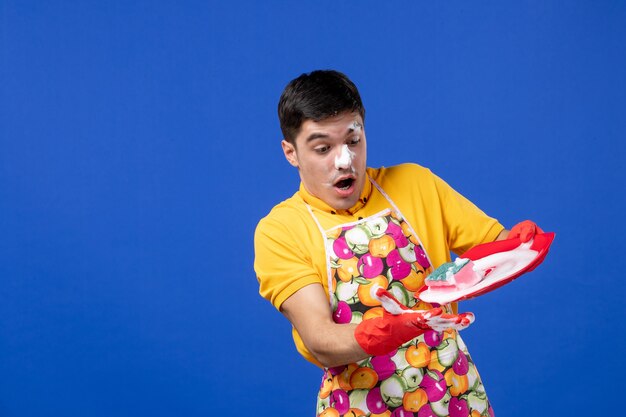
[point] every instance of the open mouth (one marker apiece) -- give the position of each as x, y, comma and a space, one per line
345, 183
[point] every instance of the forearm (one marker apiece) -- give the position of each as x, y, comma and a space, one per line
330, 343
503, 235
335, 345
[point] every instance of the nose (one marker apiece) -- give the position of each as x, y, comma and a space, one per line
344, 159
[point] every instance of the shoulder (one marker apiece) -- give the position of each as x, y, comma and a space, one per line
408, 170
407, 175
283, 214
288, 223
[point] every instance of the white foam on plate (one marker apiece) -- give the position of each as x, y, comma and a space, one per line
497, 267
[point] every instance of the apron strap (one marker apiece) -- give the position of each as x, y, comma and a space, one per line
329, 275
380, 189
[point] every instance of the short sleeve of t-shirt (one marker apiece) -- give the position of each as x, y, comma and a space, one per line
282, 264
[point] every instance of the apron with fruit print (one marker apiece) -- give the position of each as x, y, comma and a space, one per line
431, 375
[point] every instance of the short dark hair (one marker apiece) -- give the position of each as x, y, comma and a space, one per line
316, 96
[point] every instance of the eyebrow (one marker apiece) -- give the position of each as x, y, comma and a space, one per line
317, 135
314, 136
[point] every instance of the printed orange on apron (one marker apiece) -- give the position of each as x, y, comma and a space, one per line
429, 376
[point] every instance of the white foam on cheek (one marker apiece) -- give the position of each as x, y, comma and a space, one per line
344, 160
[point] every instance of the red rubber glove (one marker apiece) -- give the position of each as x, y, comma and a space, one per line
381, 335
525, 231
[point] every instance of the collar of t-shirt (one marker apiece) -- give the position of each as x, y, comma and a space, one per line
321, 205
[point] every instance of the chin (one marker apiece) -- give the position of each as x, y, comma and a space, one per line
345, 204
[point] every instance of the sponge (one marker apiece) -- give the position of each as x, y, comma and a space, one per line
453, 276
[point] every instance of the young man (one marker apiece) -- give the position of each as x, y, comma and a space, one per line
351, 236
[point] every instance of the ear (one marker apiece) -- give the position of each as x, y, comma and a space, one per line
290, 153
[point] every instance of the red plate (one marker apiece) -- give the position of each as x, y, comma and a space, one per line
501, 261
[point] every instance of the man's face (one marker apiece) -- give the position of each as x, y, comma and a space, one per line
331, 158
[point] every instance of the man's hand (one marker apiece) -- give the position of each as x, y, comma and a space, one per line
525, 231
398, 325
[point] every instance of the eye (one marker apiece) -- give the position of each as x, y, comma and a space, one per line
322, 149
354, 141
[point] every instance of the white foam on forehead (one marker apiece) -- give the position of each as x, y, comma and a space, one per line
355, 126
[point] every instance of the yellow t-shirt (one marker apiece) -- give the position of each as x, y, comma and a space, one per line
289, 247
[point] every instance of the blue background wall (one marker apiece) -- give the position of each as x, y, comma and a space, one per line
139, 146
